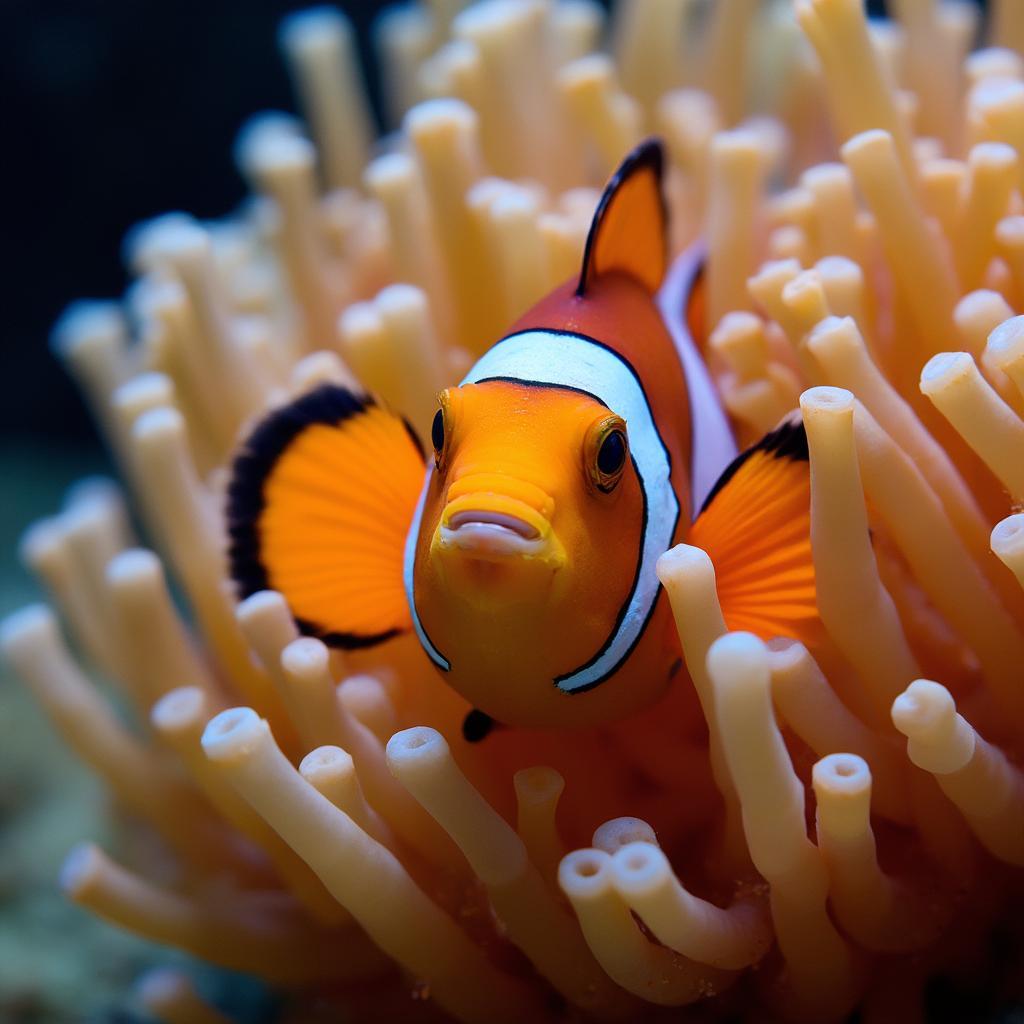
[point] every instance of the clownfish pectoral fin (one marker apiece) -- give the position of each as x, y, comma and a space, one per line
629, 232
756, 526
477, 726
320, 500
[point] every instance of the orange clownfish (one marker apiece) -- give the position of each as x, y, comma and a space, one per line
523, 551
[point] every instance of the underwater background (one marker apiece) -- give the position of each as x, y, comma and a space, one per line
116, 112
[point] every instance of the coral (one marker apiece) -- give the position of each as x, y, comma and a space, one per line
804, 830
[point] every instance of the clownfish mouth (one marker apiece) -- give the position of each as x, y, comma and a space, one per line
482, 522
473, 517
491, 535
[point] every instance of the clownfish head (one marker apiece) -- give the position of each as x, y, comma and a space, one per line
528, 538
512, 460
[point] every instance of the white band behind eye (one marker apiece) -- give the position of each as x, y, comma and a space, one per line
575, 361
409, 578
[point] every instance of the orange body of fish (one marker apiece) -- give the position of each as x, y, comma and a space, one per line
523, 549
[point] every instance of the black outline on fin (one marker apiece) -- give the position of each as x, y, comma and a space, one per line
787, 441
328, 404
649, 153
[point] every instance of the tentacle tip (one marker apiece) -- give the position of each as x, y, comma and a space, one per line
26, 629
178, 708
681, 560
841, 775
85, 321
1007, 538
922, 707
325, 762
305, 655
736, 657
619, 832
79, 868
826, 399
433, 112
260, 604
943, 369
638, 868
160, 985
233, 734
418, 745
312, 28
40, 540
158, 425
538, 785
585, 874
134, 565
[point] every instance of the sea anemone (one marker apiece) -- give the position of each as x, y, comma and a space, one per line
801, 833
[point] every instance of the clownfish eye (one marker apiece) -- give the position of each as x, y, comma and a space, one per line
441, 426
607, 450
437, 433
611, 456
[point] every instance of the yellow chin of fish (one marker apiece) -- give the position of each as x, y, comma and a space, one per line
497, 551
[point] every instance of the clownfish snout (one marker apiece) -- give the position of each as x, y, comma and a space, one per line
501, 486
494, 517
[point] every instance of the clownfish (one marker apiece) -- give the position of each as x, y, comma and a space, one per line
522, 549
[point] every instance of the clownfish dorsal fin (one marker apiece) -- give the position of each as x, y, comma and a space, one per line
629, 232
756, 526
321, 497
